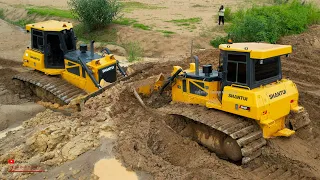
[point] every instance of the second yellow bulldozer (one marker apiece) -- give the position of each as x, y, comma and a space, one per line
63, 74
233, 109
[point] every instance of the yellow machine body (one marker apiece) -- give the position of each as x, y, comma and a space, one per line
70, 70
246, 87
268, 104
251, 103
35, 60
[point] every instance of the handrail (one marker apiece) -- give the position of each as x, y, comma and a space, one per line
240, 86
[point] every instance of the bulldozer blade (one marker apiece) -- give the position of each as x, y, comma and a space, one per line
100, 91
147, 86
299, 120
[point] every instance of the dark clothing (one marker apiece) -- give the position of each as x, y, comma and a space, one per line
221, 19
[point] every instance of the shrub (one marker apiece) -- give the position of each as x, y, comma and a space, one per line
95, 14
269, 23
219, 40
228, 14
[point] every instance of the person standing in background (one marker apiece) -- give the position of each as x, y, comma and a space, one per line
221, 15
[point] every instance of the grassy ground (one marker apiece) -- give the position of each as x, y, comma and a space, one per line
131, 6
166, 33
142, 26
49, 11
125, 21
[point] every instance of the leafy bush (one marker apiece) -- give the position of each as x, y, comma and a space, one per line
219, 40
228, 14
269, 23
95, 14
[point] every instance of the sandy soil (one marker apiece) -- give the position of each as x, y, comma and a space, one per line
113, 130
168, 10
54, 3
114, 125
13, 109
13, 43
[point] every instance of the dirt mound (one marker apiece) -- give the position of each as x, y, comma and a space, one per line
147, 143
53, 138
303, 67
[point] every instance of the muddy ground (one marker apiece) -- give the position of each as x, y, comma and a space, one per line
13, 108
148, 140
115, 125
113, 129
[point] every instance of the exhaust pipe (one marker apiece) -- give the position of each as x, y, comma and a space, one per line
92, 49
196, 61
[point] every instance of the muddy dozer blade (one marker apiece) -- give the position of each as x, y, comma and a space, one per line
108, 86
147, 86
299, 119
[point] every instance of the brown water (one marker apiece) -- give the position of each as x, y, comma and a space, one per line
113, 169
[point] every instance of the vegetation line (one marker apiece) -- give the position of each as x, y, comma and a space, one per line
269, 23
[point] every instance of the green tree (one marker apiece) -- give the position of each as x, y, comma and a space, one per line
95, 14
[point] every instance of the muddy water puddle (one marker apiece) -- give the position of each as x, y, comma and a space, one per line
4, 132
113, 169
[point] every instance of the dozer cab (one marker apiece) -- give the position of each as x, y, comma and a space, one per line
63, 73
233, 109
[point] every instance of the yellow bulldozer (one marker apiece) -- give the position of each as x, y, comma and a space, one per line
233, 110
63, 74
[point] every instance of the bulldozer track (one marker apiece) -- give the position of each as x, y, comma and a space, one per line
57, 90
246, 132
62, 91
277, 172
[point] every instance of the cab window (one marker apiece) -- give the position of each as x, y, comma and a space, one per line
194, 89
73, 68
68, 36
267, 68
37, 40
237, 68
